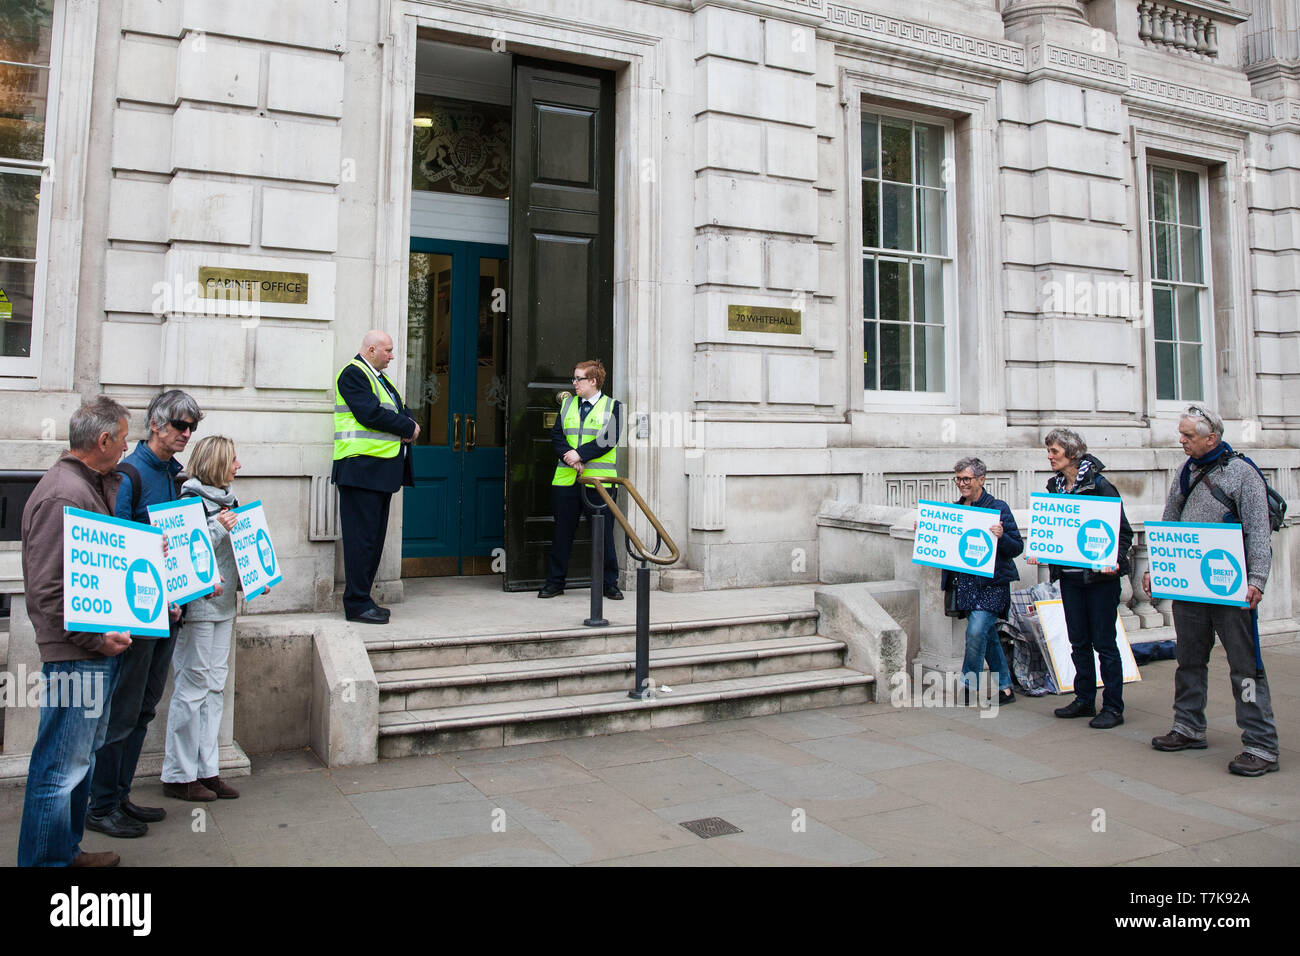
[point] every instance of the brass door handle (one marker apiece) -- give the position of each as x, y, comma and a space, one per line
471, 432
455, 432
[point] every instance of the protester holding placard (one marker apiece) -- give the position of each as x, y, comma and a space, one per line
202, 658
78, 667
986, 599
1090, 598
1212, 470
150, 472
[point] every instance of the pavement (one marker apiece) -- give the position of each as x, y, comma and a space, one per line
866, 784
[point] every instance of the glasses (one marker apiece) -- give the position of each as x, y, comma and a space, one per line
581, 378
964, 481
181, 425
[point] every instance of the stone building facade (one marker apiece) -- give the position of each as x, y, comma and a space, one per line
1020, 213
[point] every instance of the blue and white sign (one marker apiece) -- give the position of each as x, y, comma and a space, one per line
190, 568
956, 537
259, 568
113, 576
1191, 561
1079, 531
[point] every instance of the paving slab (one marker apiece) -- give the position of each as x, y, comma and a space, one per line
669, 782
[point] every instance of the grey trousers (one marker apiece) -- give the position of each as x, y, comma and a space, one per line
1196, 626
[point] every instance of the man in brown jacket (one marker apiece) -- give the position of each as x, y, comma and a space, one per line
78, 668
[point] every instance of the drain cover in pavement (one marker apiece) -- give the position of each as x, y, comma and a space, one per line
711, 827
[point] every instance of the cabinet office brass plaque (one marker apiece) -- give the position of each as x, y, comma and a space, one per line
761, 318
252, 285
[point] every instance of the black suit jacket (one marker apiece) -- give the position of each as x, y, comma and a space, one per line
366, 471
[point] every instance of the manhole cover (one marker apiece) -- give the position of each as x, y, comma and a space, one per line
711, 827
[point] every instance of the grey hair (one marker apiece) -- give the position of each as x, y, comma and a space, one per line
1070, 441
172, 404
976, 466
92, 420
1207, 422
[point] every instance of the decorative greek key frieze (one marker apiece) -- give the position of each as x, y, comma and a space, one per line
904, 491
1075, 61
1201, 99
943, 41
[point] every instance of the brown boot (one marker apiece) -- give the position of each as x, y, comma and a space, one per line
96, 859
218, 786
193, 791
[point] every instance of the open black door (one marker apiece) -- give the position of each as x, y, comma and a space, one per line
561, 287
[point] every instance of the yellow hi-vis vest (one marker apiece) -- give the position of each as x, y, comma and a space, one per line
576, 433
350, 436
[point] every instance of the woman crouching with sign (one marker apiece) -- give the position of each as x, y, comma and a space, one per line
201, 661
1089, 598
986, 599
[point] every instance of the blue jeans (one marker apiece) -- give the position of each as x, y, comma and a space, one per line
982, 644
74, 720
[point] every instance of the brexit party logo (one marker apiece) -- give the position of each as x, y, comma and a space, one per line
1095, 539
201, 556
265, 553
1220, 572
974, 547
144, 590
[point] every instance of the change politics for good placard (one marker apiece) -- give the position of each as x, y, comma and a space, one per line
1191, 561
955, 537
255, 557
112, 575
1080, 531
190, 568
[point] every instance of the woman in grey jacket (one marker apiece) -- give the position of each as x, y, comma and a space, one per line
201, 661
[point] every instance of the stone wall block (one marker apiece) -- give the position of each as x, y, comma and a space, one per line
792, 153
129, 278
1117, 386
1055, 102
1078, 151
1012, 105
130, 353
722, 143
791, 265
1059, 194
150, 16
217, 71
205, 352
137, 210
208, 141
792, 379
183, 264
1014, 148
728, 376
755, 204
142, 141
208, 210
724, 259
728, 33
293, 358
1106, 202
297, 219
1017, 194
1103, 111
147, 71
305, 84
1081, 244
315, 24
723, 86
790, 46
1279, 355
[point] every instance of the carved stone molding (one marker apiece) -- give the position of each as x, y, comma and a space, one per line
1200, 99
904, 491
919, 35
1075, 62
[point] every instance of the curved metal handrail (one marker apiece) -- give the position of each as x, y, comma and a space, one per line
653, 556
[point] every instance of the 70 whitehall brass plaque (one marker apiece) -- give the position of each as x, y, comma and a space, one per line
252, 285
760, 318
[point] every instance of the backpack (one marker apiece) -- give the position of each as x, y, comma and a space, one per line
133, 473
1276, 503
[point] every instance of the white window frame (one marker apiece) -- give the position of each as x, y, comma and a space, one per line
948, 398
23, 371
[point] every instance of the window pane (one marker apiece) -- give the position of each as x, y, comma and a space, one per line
1162, 194
25, 30
896, 217
931, 223
870, 352
18, 208
895, 357
896, 150
1189, 205
871, 214
1166, 371
1189, 314
1162, 306
1190, 254
490, 392
868, 288
927, 292
17, 279
428, 345
928, 357
929, 155
1164, 241
22, 111
895, 302
870, 146
1190, 367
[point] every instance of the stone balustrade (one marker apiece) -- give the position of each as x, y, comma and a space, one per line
1177, 30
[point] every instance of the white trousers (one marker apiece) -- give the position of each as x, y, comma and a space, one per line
199, 665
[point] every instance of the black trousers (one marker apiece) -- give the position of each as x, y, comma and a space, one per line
569, 504
363, 515
1090, 618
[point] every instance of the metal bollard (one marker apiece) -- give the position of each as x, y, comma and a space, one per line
597, 568
641, 689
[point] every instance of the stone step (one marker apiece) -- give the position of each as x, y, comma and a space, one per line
582, 641
431, 687
444, 729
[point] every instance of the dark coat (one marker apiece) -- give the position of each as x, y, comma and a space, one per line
1094, 483
1009, 545
366, 471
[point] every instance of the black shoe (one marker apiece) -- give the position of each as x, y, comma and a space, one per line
1076, 708
369, 616
116, 824
1107, 719
614, 594
1005, 697
384, 611
550, 591
143, 814
1175, 741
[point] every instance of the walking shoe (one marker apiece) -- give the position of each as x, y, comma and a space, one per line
193, 791
614, 594
1107, 719
1173, 741
106, 858
116, 824
222, 789
369, 616
1248, 765
1005, 697
143, 814
1076, 708
550, 591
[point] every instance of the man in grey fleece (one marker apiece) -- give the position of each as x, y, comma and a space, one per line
1210, 464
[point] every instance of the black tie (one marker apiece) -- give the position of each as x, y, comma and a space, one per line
584, 408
